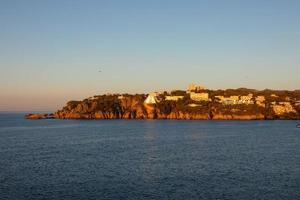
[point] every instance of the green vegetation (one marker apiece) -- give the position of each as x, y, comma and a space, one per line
178, 93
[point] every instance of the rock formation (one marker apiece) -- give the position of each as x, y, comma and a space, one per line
39, 116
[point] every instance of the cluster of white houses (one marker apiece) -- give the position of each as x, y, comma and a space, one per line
197, 93
235, 99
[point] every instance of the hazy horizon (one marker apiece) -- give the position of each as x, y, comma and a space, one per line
52, 51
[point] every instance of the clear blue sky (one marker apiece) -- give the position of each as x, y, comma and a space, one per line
51, 51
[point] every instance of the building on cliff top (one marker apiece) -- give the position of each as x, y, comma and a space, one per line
260, 98
227, 100
232, 100
199, 96
152, 98
283, 107
194, 88
246, 99
260, 101
173, 98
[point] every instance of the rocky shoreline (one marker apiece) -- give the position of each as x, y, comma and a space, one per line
275, 105
39, 116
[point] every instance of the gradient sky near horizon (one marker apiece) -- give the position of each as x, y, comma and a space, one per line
51, 50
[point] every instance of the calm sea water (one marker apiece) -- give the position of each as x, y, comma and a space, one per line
122, 159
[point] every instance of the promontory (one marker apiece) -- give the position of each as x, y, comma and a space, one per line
196, 103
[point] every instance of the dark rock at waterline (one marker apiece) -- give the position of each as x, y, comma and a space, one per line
39, 116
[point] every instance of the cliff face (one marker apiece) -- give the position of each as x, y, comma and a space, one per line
133, 107
104, 108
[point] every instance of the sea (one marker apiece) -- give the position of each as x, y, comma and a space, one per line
148, 159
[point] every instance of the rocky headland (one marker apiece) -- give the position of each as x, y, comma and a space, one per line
237, 104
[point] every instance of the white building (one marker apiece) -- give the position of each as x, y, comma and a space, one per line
173, 98
246, 99
199, 96
228, 100
152, 98
283, 107
195, 88
232, 100
260, 101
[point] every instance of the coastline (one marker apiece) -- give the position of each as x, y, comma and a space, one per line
193, 104
219, 118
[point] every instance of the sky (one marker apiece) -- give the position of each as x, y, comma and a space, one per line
51, 51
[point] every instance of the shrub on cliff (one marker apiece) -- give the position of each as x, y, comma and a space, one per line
178, 93
165, 107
